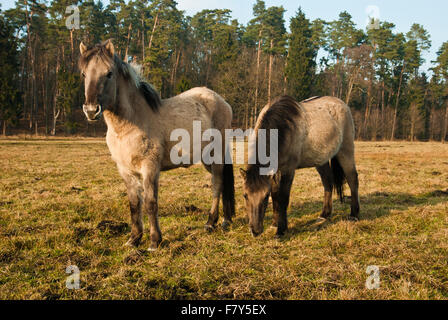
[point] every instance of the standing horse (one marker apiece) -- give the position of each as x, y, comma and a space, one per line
139, 130
318, 132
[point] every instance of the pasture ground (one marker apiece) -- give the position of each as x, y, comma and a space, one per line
63, 203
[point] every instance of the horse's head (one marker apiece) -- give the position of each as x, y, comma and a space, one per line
97, 65
257, 189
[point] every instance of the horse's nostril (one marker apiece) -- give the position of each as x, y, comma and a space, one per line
92, 112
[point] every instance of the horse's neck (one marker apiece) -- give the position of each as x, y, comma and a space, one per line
129, 111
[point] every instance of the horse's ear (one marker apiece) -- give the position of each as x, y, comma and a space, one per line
110, 47
82, 48
243, 173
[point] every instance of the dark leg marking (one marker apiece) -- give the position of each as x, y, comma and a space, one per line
136, 212
280, 199
150, 206
347, 162
326, 176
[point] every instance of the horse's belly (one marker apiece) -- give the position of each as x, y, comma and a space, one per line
322, 143
186, 147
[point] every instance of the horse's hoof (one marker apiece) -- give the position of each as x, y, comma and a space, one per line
209, 228
353, 219
154, 246
225, 225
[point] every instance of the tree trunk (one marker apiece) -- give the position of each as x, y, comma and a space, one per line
397, 101
351, 84
45, 92
33, 91
174, 72
413, 109
382, 129
444, 131
57, 112
28, 55
260, 43
72, 49
285, 78
246, 117
143, 39
208, 65
431, 124
367, 114
271, 60
5, 122
153, 30
127, 43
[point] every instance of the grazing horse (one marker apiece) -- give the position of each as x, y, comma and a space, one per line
140, 125
318, 132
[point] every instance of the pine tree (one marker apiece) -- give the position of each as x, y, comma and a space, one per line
441, 74
301, 58
10, 97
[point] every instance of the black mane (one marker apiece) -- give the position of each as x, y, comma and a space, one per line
152, 97
282, 115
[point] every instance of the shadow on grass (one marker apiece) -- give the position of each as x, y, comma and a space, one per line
373, 206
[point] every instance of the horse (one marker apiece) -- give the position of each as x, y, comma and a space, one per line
139, 127
316, 133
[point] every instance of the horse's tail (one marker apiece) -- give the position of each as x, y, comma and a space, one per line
228, 192
339, 178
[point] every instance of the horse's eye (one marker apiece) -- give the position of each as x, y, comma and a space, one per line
83, 75
109, 75
245, 196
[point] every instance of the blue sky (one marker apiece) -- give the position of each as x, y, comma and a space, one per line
403, 13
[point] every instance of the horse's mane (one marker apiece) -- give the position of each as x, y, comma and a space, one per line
282, 115
150, 94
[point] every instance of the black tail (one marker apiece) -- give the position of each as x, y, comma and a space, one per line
339, 178
228, 192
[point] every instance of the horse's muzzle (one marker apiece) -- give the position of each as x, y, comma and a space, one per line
256, 231
93, 112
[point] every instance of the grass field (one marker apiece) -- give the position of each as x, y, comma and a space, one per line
62, 203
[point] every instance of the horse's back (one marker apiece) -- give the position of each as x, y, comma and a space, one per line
184, 111
335, 106
327, 121
219, 110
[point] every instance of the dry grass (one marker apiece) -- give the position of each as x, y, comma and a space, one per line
56, 196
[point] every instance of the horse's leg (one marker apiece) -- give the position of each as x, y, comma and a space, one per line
275, 190
216, 171
327, 180
150, 206
280, 200
133, 189
228, 195
347, 161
